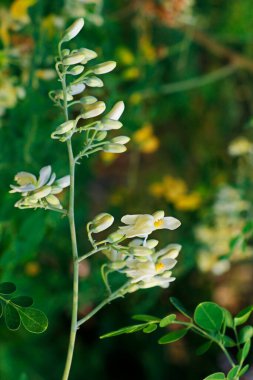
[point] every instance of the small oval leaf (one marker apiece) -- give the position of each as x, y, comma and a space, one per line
243, 316
209, 316
124, 330
216, 376
33, 320
145, 318
246, 333
12, 318
203, 348
23, 301
7, 288
173, 336
150, 328
168, 320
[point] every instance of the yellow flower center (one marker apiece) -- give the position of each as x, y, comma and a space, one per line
158, 223
159, 267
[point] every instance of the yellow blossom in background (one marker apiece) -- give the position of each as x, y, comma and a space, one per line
131, 73
32, 268
188, 202
19, 10
45, 74
147, 50
108, 157
135, 98
4, 27
124, 56
144, 138
175, 190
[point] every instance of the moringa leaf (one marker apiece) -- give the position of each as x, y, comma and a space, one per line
23, 301
168, 320
33, 320
7, 288
173, 336
209, 316
12, 318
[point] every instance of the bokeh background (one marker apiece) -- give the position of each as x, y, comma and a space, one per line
185, 74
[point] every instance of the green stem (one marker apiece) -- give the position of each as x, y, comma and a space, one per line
71, 215
118, 293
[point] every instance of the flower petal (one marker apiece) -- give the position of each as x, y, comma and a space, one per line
171, 223
63, 182
45, 174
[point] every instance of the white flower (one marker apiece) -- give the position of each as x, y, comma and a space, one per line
240, 146
39, 192
144, 225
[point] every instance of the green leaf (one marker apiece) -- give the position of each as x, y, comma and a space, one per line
246, 333
177, 304
12, 318
248, 227
228, 319
33, 320
209, 316
203, 348
23, 301
173, 336
244, 370
167, 320
7, 288
235, 241
244, 352
124, 330
233, 372
243, 316
216, 376
150, 328
228, 342
145, 318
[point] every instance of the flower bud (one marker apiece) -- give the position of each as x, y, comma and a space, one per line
88, 100
93, 110
101, 222
109, 124
114, 148
101, 135
121, 140
140, 251
76, 70
63, 128
65, 52
73, 30
89, 54
76, 89
53, 200
73, 59
114, 237
116, 111
104, 67
152, 243
93, 82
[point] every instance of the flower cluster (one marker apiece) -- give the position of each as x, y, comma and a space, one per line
138, 260
39, 193
72, 64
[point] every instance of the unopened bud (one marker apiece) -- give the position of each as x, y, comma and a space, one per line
140, 251
93, 110
109, 124
76, 89
101, 135
114, 237
93, 82
114, 148
104, 67
76, 70
116, 111
101, 222
53, 200
73, 59
89, 54
88, 100
152, 243
73, 30
121, 140
63, 128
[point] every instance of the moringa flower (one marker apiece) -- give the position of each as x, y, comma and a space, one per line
73, 30
39, 192
144, 225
